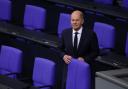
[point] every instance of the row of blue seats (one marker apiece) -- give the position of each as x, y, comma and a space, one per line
122, 3
35, 19
44, 70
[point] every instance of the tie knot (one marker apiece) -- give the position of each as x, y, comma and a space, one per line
76, 33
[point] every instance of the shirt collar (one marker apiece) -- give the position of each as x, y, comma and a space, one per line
79, 31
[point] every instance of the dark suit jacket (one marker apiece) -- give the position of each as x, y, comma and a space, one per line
88, 46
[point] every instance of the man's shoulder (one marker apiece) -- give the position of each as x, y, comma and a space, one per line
67, 30
88, 32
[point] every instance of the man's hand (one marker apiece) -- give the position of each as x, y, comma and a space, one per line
81, 59
67, 59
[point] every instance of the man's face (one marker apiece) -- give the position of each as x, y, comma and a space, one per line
76, 20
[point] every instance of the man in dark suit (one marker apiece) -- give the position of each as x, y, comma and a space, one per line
78, 42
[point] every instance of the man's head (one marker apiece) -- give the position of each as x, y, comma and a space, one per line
77, 19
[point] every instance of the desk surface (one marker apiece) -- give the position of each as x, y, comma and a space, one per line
9, 83
95, 7
113, 59
114, 76
35, 36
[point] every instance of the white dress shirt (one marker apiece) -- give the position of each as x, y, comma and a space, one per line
78, 36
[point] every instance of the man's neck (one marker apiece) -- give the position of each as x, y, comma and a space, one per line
78, 29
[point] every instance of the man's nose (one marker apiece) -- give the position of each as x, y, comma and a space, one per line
74, 22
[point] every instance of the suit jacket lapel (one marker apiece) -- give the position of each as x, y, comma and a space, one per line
83, 36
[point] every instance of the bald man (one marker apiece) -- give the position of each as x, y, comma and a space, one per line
78, 42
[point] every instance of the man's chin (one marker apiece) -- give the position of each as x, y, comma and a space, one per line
76, 29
